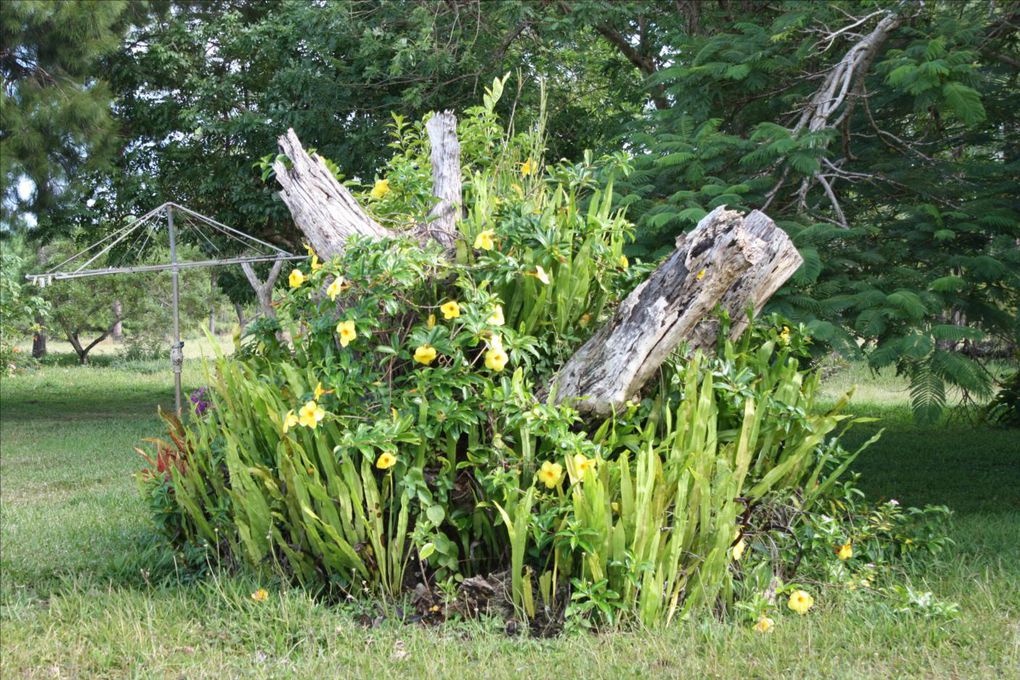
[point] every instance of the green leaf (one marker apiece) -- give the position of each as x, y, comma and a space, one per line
737, 72
436, 514
965, 102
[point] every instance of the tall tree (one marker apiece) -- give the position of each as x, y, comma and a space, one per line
882, 136
55, 117
203, 91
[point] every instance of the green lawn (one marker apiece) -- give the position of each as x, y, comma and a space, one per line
76, 599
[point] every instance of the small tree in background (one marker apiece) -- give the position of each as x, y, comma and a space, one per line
20, 305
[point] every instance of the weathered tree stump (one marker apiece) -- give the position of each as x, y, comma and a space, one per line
728, 261
328, 214
325, 210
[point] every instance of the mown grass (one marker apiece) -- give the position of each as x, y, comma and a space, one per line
77, 600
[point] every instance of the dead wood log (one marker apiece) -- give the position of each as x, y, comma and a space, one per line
328, 214
728, 260
441, 224
325, 210
263, 289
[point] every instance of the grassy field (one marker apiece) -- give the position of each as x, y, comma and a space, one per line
76, 599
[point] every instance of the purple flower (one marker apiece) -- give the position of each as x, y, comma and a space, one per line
197, 398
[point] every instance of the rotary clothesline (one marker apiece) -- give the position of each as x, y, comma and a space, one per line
141, 231
145, 225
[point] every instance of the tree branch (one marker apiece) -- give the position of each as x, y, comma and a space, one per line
644, 63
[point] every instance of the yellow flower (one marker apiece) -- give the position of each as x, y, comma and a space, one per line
845, 551
583, 463
738, 550
316, 265
784, 337
585, 318
527, 168
450, 310
347, 332
764, 624
310, 415
496, 318
319, 391
431, 322
485, 240
289, 421
624, 262
800, 602
297, 277
381, 188
385, 461
700, 275
425, 354
260, 595
335, 288
539, 274
496, 358
550, 474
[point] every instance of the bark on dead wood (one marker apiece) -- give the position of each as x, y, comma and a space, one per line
728, 260
322, 208
446, 185
328, 214
263, 289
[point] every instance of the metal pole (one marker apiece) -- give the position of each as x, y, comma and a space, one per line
177, 350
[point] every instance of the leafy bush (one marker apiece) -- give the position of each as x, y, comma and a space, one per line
393, 436
1004, 409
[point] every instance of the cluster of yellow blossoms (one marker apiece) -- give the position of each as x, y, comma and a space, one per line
551, 474
496, 357
381, 188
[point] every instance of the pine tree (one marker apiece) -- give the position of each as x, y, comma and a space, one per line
55, 112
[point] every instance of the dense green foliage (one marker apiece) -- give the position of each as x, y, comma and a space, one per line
903, 199
20, 305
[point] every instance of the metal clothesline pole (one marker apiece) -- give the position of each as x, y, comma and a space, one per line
181, 266
177, 350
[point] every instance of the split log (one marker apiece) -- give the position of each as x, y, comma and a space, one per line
728, 260
322, 208
328, 214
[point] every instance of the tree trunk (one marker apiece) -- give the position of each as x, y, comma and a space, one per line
74, 337
728, 261
83, 355
441, 224
118, 328
263, 289
239, 310
39, 339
